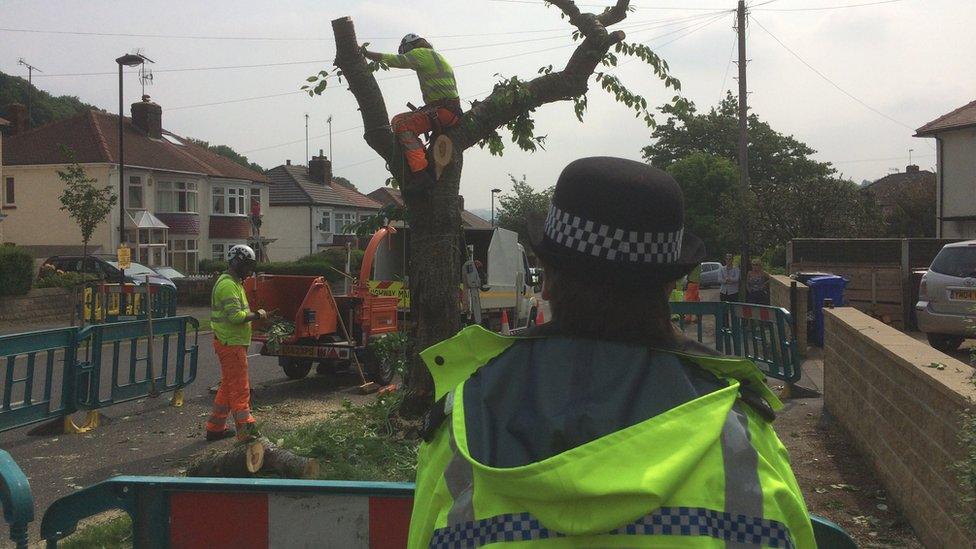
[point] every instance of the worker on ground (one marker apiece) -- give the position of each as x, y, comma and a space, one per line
442, 107
230, 319
605, 427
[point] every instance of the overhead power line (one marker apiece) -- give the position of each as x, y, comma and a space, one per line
828, 80
902, 157
661, 8
827, 8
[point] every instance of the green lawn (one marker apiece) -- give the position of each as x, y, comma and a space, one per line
115, 533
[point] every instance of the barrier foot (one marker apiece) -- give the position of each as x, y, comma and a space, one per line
791, 390
91, 422
177, 400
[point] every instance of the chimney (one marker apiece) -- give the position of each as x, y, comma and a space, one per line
320, 169
18, 118
911, 168
148, 117
288, 162
460, 203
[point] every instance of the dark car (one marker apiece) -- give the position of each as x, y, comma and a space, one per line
106, 268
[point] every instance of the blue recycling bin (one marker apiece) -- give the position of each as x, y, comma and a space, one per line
822, 288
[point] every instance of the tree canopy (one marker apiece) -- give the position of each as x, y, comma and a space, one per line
44, 106
792, 195
516, 207
228, 152
708, 183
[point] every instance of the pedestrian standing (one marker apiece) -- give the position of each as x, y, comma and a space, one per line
230, 319
757, 284
729, 274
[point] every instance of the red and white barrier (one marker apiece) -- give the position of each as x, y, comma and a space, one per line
240, 520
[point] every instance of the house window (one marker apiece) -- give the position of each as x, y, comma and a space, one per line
134, 193
176, 197
343, 221
8, 192
326, 225
364, 217
219, 250
255, 196
183, 254
229, 201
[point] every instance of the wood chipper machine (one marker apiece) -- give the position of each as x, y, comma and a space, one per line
333, 331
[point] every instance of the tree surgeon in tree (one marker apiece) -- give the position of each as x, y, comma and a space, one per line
442, 107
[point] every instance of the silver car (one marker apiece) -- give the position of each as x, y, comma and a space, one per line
946, 309
709, 274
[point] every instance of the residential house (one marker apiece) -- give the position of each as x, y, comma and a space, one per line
4, 123
183, 203
890, 188
310, 211
955, 137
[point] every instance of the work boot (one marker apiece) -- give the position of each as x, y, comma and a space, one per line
219, 435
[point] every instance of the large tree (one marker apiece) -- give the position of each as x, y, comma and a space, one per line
434, 216
792, 195
523, 203
708, 182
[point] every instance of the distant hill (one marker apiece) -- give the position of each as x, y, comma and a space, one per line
483, 213
44, 106
48, 108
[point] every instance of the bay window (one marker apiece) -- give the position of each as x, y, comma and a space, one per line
183, 254
176, 197
343, 222
230, 200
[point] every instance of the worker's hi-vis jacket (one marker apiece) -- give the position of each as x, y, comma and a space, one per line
228, 312
557, 442
434, 72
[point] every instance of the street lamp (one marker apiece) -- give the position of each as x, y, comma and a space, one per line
493, 193
127, 60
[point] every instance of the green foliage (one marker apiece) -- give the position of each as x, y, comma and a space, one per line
359, 443
87, 204
318, 82
708, 183
211, 266
383, 217
278, 331
393, 347
16, 270
321, 268
913, 213
44, 106
64, 280
515, 208
799, 196
228, 152
336, 256
344, 182
115, 533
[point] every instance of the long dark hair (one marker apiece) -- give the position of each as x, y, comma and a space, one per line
587, 307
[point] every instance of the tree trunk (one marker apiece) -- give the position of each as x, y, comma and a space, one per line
244, 460
435, 275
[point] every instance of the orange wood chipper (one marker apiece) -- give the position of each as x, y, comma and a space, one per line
333, 331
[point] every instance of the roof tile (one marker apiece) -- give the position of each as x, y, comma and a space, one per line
960, 118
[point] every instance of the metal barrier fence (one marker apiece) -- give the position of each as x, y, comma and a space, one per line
187, 512
758, 332
103, 303
53, 373
16, 499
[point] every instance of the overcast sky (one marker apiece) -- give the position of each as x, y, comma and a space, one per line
911, 60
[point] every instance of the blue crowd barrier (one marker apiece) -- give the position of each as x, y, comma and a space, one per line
16, 499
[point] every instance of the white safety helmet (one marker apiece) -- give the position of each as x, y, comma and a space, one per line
407, 40
241, 253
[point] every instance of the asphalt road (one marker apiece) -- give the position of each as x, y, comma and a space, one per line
148, 436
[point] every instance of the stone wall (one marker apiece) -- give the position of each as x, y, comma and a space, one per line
39, 305
902, 414
779, 296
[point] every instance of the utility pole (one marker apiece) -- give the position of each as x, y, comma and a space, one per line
332, 158
306, 139
30, 87
743, 151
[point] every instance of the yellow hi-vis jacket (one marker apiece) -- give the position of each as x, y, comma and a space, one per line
557, 442
228, 312
433, 71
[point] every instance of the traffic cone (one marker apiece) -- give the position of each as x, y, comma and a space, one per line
505, 329
539, 317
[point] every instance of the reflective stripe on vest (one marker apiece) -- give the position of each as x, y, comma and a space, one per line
741, 524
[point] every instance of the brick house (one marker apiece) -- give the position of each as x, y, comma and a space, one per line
389, 195
183, 202
912, 181
310, 211
955, 137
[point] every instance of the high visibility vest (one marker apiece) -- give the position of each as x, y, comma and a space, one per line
709, 473
228, 312
433, 71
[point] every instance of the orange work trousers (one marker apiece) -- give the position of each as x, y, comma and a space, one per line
234, 394
408, 125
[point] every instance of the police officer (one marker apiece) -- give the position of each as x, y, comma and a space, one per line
605, 428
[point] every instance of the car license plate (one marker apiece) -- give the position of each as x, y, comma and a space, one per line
962, 295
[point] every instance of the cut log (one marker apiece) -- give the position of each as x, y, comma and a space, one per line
286, 464
241, 461
261, 455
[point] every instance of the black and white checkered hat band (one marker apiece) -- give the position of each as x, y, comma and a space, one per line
613, 244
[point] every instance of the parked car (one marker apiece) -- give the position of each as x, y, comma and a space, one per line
107, 268
946, 308
169, 272
709, 274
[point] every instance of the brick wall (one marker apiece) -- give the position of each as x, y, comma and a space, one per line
902, 416
39, 305
779, 296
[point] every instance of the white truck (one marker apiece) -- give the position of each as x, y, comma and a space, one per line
496, 279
